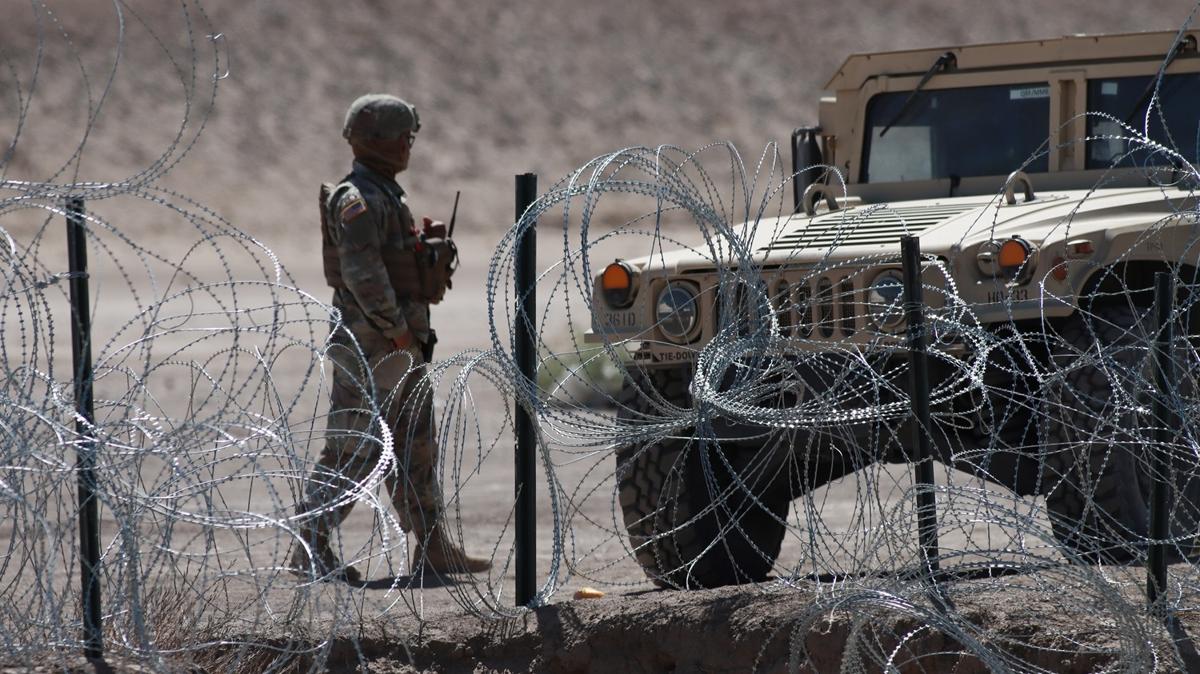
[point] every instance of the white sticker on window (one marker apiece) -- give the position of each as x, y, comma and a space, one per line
1022, 93
1108, 88
1104, 150
905, 153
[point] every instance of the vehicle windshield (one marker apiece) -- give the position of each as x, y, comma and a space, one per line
1179, 98
966, 132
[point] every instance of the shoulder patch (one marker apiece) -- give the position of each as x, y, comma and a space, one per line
352, 210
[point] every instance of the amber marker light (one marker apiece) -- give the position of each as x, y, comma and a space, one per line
1012, 258
617, 284
1080, 248
1059, 272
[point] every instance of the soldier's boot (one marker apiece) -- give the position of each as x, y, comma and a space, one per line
324, 565
437, 553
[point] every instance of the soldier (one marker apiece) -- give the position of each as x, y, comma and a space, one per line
370, 253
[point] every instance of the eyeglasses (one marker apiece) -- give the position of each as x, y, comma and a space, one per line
412, 138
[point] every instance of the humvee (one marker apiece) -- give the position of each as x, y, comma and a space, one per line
1042, 217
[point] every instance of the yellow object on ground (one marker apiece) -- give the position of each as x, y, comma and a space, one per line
588, 593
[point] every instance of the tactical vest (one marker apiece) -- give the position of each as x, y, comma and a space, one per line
420, 271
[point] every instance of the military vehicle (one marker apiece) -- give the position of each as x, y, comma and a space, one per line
1042, 217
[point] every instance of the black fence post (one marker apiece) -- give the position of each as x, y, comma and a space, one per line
1160, 466
81, 353
525, 354
914, 309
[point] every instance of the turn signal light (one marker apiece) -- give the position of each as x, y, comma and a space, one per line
617, 284
1013, 259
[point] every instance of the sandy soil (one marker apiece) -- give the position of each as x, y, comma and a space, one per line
404, 622
635, 628
537, 86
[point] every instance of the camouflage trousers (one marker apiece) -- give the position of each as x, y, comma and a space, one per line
354, 443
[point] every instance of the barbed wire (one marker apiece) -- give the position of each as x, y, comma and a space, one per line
771, 442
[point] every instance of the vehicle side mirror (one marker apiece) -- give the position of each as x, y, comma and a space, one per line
806, 154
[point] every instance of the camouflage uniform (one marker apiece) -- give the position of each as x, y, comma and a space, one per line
368, 249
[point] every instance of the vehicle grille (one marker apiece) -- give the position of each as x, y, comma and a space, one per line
866, 226
824, 307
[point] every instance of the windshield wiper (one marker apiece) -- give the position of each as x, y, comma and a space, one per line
946, 61
1186, 44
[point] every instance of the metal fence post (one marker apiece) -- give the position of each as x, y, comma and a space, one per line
81, 353
525, 355
1164, 375
914, 309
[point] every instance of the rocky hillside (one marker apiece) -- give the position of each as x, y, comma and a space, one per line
503, 87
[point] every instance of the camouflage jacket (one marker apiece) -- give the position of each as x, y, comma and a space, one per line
369, 255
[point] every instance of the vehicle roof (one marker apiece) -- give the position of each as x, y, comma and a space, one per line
860, 67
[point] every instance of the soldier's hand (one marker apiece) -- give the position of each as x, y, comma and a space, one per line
434, 229
403, 342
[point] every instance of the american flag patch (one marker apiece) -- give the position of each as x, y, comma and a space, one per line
353, 210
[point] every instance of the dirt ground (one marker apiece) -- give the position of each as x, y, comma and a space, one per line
845, 535
638, 628
403, 624
535, 86
769, 629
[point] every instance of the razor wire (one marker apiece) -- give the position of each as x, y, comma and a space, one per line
774, 448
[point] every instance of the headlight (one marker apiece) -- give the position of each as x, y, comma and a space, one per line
675, 310
986, 258
885, 299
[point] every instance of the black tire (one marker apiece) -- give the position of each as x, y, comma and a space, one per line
1096, 471
682, 536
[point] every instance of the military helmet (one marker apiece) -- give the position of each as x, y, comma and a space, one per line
379, 117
